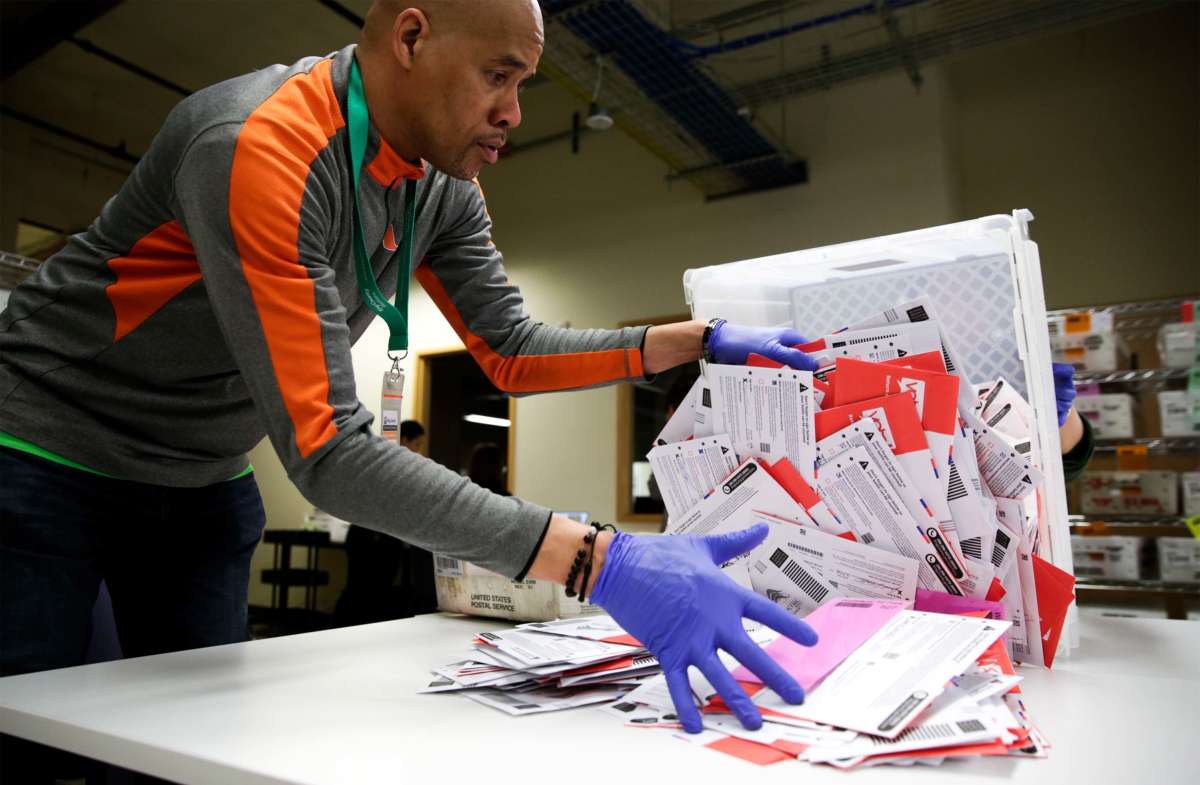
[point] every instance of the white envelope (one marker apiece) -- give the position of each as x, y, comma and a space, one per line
858, 492
683, 420
737, 503
767, 412
880, 344
851, 568
687, 471
885, 684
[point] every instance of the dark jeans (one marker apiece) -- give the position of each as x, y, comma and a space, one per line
176, 562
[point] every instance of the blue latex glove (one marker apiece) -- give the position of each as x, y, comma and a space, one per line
731, 344
670, 594
1064, 390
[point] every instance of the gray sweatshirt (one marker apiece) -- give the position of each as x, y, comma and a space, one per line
215, 300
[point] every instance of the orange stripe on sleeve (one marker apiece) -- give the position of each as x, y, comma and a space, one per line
276, 147
522, 374
159, 266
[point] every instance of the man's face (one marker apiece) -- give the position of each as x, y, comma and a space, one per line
416, 444
472, 80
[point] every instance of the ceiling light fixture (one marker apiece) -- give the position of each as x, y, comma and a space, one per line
483, 419
598, 118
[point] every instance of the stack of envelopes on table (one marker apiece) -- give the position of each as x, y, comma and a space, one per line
884, 684
548, 666
888, 473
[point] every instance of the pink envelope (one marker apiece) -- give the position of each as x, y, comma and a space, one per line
842, 625
940, 602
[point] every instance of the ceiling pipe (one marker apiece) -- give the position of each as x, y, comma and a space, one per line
133, 68
865, 9
116, 151
32, 29
343, 12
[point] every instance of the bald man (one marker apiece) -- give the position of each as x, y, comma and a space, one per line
215, 300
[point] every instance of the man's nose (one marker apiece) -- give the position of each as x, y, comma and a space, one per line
507, 114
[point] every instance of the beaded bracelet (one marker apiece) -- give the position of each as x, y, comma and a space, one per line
573, 575
709, 329
588, 550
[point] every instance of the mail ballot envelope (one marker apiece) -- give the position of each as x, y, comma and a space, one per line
983, 279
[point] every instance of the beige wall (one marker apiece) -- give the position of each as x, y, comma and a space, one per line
1098, 133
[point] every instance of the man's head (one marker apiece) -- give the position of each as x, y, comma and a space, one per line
442, 76
412, 436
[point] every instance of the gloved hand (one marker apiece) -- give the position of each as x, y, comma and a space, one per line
670, 594
1064, 390
731, 344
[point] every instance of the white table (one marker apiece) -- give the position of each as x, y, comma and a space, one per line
341, 707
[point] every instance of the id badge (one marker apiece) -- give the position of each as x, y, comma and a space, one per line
391, 398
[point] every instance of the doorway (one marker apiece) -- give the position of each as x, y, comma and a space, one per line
465, 416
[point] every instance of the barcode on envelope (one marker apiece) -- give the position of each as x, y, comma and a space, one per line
973, 547
868, 538
956, 489
446, 566
764, 447
1000, 547
807, 583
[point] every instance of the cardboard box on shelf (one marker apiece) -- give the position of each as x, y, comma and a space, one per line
1110, 414
1139, 493
1176, 410
1086, 340
1179, 344
1108, 558
1179, 559
1189, 485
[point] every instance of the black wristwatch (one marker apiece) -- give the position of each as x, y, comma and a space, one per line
709, 329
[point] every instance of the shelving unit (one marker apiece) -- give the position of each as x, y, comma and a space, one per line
1158, 444
1136, 325
15, 268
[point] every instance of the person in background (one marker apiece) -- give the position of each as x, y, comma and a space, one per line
373, 560
412, 436
486, 468
1074, 431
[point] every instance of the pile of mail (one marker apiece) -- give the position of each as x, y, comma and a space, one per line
885, 474
548, 666
885, 684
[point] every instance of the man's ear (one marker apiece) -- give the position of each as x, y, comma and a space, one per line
409, 32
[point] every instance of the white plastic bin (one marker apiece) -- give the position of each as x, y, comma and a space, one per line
983, 276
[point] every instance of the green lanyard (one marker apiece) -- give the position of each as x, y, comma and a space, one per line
396, 316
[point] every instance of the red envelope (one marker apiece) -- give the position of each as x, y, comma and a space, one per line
751, 751
936, 395
926, 361
784, 473
758, 361
996, 591
860, 380
899, 419
1055, 591
790, 479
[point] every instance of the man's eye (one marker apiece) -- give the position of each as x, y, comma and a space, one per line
498, 78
